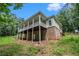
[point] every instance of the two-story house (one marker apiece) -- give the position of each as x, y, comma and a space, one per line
39, 27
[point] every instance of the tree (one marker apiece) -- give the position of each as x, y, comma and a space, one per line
5, 6
8, 24
68, 17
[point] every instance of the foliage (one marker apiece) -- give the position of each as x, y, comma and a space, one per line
68, 17
5, 7
8, 47
73, 42
58, 51
32, 51
8, 24
68, 45
10, 50
6, 40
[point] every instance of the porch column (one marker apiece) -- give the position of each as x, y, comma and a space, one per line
27, 30
27, 35
22, 35
47, 35
18, 34
39, 29
32, 29
22, 32
17, 37
32, 35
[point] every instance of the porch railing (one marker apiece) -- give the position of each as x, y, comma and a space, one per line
32, 25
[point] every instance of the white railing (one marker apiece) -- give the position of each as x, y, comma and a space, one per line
36, 24
32, 25
42, 24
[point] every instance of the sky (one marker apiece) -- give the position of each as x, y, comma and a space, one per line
29, 9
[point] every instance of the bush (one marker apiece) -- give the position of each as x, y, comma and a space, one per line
68, 39
68, 45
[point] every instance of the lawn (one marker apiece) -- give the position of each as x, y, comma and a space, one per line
6, 40
9, 46
67, 45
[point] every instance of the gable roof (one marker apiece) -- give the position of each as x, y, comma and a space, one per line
38, 13
55, 20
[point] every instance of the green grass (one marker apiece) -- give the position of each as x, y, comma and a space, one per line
31, 51
6, 40
10, 50
8, 47
67, 45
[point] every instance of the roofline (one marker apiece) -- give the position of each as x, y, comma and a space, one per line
58, 22
35, 15
55, 20
44, 16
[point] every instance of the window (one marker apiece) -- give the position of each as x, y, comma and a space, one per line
50, 22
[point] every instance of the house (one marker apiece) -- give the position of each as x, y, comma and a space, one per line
39, 27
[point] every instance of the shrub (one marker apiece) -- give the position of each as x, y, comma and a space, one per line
68, 39
68, 45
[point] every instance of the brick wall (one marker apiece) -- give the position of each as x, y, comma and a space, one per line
53, 33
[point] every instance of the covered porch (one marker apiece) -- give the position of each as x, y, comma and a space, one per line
34, 29
35, 34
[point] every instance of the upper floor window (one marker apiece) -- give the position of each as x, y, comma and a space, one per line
50, 22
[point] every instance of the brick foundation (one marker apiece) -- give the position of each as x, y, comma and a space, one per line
53, 33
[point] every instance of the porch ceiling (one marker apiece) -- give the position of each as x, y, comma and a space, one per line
35, 29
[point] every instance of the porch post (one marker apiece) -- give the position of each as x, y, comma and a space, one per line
32, 35
17, 37
27, 30
32, 29
47, 35
39, 29
22, 32
22, 35
27, 34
